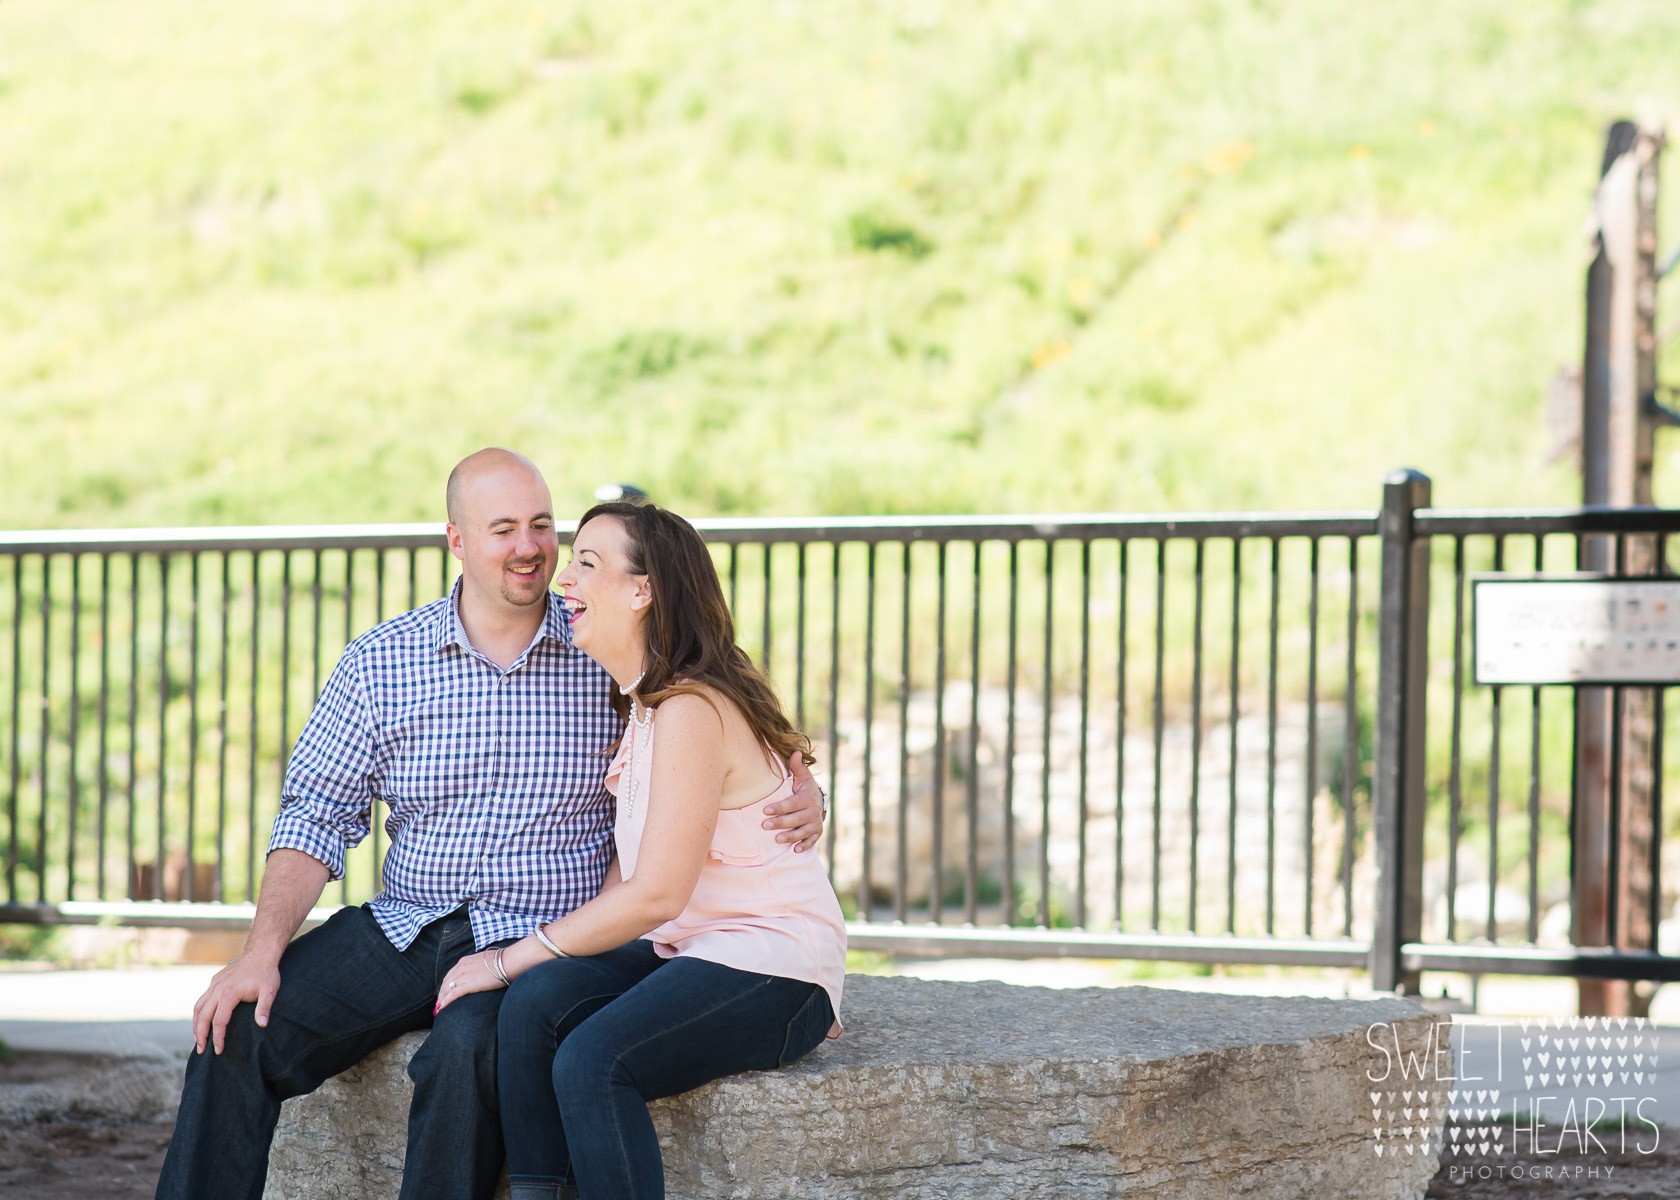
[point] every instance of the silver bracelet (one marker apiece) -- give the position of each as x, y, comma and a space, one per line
501, 972
548, 945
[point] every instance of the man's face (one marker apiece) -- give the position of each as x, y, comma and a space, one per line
505, 539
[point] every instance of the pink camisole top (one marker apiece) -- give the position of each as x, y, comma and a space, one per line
757, 906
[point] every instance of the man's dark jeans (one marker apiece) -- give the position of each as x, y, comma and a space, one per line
586, 1042
345, 991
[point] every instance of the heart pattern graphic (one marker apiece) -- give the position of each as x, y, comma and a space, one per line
1471, 1114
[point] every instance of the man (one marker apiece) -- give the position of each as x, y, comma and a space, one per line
483, 729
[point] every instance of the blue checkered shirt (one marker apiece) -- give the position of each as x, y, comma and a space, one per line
493, 779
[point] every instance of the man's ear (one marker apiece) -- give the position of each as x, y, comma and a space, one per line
643, 595
452, 532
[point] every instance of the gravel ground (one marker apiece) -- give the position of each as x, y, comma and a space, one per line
1610, 1171
61, 1160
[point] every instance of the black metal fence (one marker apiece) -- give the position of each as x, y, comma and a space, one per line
1149, 736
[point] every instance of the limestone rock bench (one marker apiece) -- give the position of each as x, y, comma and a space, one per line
986, 1089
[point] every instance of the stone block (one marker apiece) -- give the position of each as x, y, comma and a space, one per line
985, 1089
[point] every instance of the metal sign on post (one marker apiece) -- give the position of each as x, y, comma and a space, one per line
1580, 630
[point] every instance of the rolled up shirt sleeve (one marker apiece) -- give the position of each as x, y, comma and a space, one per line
326, 802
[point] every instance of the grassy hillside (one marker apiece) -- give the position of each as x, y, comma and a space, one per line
288, 261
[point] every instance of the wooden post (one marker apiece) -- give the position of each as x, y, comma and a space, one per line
1612, 811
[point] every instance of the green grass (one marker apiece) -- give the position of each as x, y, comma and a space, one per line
287, 262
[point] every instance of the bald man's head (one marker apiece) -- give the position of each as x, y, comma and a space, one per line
476, 466
501, 527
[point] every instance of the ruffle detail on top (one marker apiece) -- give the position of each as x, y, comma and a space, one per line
615, 769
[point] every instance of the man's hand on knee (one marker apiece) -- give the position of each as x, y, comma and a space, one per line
800, 816
251, 979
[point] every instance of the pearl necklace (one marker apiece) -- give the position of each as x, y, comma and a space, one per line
642, 719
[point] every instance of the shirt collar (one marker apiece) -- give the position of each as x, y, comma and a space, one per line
556, 626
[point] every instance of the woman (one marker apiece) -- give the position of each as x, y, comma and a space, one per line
712, 948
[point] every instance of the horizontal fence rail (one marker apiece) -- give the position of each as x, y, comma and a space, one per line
1144, 736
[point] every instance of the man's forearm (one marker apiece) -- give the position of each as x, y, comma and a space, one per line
292, 883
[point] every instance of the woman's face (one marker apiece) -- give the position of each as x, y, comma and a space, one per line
607, 603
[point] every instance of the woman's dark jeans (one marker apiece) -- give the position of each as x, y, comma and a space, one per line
585, 1043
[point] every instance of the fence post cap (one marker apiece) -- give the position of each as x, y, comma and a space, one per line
1404, 475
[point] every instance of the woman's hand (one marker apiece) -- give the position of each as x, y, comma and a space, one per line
470, 974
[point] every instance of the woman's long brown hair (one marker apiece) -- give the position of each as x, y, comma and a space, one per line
690, 633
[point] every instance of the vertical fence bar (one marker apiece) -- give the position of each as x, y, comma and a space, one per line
734, 577
75, 794
133, 722
868, 729
285, 749
1455, 819
315, 624
1009, 901
1398, 783
1235, 688
1312, 734
12, 828
413, 588
1654, 899
834, 697
1271, 742
163, 720
799, 645
1049, 704
104, 710
315, 628
764, 653
936, 896
1120, 748
251, 766
350, 597
901, 874
1659, 699
1618, 766
1497, 727
1350, 736
1196, 732
1080, 918
1534, 786
1160, 719
222, 731
971, 862
46, 728
187, 882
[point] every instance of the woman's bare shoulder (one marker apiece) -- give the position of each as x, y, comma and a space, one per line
703, 711
707, 712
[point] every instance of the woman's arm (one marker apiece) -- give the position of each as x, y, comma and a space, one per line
689, 763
